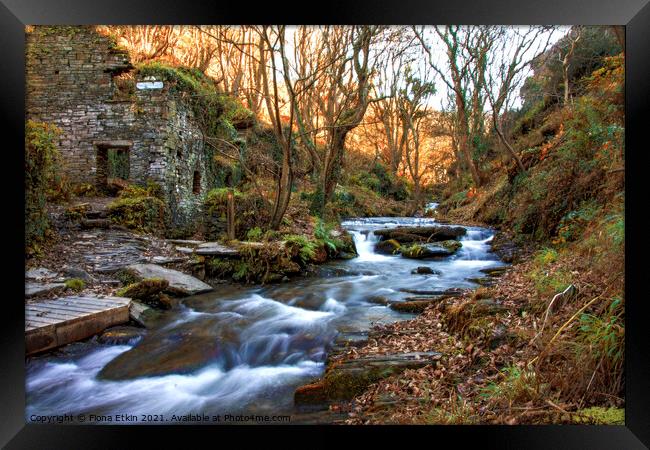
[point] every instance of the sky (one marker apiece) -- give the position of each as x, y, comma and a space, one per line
421, 66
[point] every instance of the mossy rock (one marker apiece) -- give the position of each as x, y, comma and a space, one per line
378, 300
412, 307
149, 291
347, 379
483, 281
431, 250
388, 247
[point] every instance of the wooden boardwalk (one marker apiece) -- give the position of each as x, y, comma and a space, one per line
52, 323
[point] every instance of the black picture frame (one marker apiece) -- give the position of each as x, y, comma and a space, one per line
634, 14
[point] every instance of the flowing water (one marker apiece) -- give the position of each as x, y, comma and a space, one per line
241, 349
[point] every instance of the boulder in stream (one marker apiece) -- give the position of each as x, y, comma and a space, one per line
432, 250
387, 247
425, 270
421, 234
179, 282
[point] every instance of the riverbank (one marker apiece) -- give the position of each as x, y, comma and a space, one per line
514, 351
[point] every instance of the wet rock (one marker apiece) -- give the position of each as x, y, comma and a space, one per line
349, 339
412, 307
483, 281
378, 300
121, 335
215, 249
388, 247
424, 270
40, 273
494, 271
179, 283
346, 255
311, 394
346, 249
75, 272
432, 250
33, 289
454, 292
185, 250
181, 350
142, 314
148, 290
416, 234
347, 379
166, 260
504, 246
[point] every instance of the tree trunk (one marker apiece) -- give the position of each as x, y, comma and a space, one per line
284, 190
231, 215
507, 145
329, 176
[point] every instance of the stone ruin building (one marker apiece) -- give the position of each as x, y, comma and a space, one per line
136, 130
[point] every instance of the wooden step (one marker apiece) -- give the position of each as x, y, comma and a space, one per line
52, 323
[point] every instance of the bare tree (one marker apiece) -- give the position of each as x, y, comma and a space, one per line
456, 43
574, 36
515, 49
414, 112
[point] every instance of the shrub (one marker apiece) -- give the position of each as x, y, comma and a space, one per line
517, 385
604, 336
139, 209
306, 247
75, 284
322, 232
254, 234
41, 155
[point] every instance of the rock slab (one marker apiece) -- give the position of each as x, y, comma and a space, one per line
179, 283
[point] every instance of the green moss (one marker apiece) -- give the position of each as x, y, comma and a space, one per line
219, 113
144, 290
75, 284
306, 247
598, 415
126, 277
138, 210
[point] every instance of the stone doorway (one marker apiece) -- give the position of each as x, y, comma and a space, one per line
113, 161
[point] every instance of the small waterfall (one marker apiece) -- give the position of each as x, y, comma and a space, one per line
365, 243
475, 245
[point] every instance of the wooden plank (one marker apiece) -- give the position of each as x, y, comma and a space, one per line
86, 304
38, 323
43, 320
53, 315
53, 323
93, 298
95, 301
80, 309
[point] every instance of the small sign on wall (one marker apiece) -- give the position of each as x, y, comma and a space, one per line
149, 85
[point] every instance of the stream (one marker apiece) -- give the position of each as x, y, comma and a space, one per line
245, 349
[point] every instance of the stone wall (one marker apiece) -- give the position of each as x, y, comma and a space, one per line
79, 80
